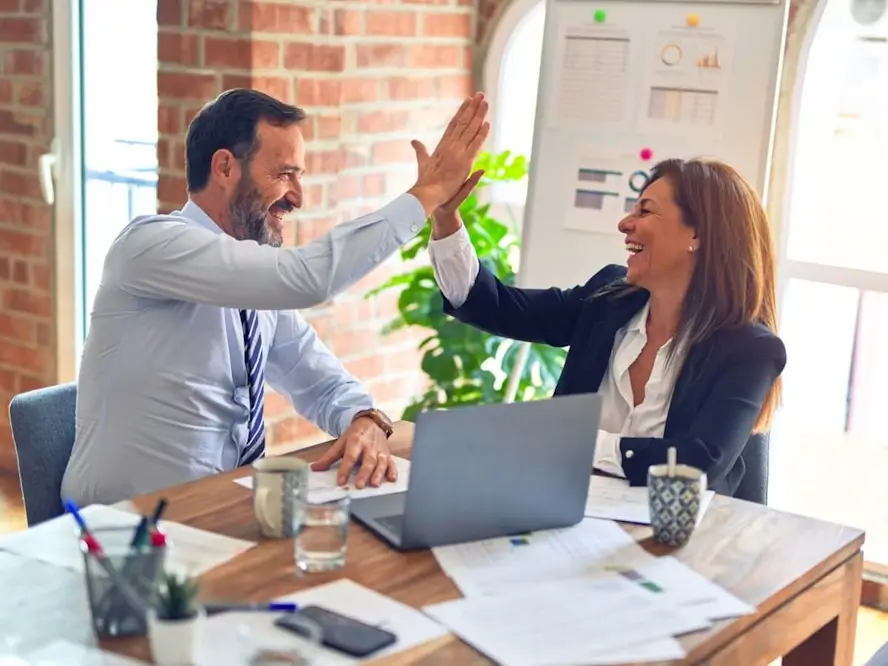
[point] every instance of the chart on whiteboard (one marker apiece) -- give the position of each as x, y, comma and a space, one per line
592, 79
687, 73
602, 190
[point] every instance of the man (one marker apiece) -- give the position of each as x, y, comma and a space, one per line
196, 310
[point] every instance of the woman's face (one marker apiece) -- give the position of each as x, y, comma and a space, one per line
661, 247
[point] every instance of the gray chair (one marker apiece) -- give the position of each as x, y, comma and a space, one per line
43, 435
754, 484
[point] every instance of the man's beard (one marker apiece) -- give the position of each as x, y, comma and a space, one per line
249, 216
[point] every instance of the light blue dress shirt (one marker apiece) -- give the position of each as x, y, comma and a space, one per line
162, 393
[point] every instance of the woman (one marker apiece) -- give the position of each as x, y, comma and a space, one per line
681, 343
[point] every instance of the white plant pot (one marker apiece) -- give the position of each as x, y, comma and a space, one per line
175, 642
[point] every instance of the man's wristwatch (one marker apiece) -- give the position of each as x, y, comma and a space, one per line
379, 418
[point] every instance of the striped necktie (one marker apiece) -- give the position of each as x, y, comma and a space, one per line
256, 382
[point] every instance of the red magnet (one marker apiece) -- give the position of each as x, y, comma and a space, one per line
646, 154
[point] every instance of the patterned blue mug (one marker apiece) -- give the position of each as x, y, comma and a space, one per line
675, 498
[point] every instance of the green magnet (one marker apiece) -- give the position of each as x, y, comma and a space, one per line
600, 15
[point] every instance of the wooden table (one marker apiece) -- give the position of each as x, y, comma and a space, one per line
802, 575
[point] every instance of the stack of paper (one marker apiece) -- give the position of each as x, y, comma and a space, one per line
324, 484
57, 541
554, 581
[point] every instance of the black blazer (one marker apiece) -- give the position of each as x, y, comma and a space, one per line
718, 393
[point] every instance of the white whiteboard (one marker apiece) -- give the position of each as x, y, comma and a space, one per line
654, 79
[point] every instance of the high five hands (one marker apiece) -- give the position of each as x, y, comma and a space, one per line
445, 179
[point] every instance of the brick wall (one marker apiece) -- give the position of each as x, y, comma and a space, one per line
27, 327
371, 76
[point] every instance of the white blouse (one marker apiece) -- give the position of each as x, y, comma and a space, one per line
455, 265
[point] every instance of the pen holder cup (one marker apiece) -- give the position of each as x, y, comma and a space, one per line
119, 601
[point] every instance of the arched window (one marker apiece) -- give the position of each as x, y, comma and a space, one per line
511, 75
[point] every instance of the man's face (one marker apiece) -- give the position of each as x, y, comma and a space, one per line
270, 185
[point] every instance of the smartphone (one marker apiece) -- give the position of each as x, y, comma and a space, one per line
340, 632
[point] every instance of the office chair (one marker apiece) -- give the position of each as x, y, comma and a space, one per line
43, 435
754, 485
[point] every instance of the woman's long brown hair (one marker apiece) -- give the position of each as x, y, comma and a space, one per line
733, 282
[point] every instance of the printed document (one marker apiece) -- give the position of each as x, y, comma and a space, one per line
323, 484
615, 499
565, 622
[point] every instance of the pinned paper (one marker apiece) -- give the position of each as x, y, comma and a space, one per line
693, 20
646, 154
600, 15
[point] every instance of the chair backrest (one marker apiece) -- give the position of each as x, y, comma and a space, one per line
43, 435
754, 485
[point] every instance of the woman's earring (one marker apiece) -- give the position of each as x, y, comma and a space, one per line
691, 248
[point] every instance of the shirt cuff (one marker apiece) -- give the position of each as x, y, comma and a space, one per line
444, 248
406, 215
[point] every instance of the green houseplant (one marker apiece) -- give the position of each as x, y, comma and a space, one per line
464, 365
174, 624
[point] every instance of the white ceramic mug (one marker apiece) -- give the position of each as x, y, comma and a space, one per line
280, 486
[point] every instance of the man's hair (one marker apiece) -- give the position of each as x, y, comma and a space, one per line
229, 122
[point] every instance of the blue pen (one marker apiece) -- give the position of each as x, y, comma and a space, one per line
274, 607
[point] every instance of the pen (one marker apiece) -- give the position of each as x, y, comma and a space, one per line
139, 533
158, 512
213, 608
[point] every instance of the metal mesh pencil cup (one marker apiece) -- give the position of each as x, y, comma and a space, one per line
113, 610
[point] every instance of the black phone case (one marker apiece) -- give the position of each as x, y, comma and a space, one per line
342, 633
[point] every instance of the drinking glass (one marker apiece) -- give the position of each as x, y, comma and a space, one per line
320, 543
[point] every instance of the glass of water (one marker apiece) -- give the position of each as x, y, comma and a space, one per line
320, 542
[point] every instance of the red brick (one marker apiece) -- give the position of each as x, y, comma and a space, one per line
22, 30
277, 86
380, 55
318, 92
446, 24
25, 61
20, 183
323, 161
246, 54
13, 152
436, 55
5, 91
373, 185
275, 17
456, 86
179, 85
18, 328
211, 14
395, 24
17, 123
178, 48
360, 90
25, 358
366, 367
409, 88
169, 12
329, 127
22, 244
30, 93
348, 22
383, 121
22, 300
169, 119
314, 57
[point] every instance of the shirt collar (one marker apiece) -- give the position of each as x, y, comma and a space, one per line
196, 214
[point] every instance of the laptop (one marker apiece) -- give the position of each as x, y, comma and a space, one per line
489, 471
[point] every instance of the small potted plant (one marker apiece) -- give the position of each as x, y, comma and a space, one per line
175, 622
